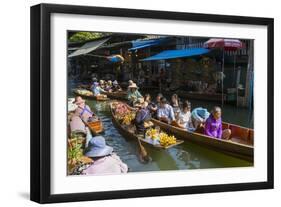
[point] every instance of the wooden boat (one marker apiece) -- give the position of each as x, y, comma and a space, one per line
96, 126
120, 95
89, 95
240, 143
131, 135
217, 97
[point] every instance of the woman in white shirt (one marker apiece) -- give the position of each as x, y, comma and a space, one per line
184, 120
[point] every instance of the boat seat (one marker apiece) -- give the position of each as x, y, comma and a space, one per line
239, 133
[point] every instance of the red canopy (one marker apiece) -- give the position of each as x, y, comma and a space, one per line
226, 44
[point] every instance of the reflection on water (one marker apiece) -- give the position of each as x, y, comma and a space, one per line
185, 156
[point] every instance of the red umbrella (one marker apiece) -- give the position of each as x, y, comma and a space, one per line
224, 44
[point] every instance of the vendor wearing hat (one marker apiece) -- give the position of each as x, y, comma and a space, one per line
115, 87
104, 160
133, 94
213, 125
83, 110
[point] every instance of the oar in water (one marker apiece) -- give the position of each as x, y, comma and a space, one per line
143, 153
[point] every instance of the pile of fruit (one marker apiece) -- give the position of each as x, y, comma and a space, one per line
128, 118
157, 137
166, 140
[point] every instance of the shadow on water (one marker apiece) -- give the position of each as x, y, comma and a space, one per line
185, 156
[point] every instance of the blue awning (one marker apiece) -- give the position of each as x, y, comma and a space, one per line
139, 44
170, 54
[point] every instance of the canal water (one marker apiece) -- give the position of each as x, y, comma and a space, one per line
185, 156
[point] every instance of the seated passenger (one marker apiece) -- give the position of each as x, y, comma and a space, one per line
133, 94
185, 117
143, 115
165, 112
108, 86
199, 116
115, 87
83, 110
158, 99
96, 89
213, 125
175, 103
102, 84
104, 160
151, 106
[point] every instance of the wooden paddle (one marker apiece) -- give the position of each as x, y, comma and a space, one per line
143, 153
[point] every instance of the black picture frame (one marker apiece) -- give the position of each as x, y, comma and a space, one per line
41, 96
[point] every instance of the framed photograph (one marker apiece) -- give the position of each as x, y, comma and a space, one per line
133, 103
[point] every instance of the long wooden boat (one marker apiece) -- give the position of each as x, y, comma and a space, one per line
240, 143
89, 95
217, 97
120, 95
126, 133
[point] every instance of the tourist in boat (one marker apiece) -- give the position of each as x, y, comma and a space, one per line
165, 112
199, 116
158, 99
83, 110
116, 87
105, 161
96, 89
175, 103
184, 120
213, 125
134, 95
143, 115
152, 107
108, 86
102, 84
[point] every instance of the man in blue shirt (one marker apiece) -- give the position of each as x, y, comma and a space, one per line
165, 112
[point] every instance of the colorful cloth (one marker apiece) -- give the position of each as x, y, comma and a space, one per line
213, 127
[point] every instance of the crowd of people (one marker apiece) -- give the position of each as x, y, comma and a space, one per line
176, 113
102, 86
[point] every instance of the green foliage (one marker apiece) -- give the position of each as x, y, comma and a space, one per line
84, 36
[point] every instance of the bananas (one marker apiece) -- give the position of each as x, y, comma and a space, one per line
164, 139
128, 118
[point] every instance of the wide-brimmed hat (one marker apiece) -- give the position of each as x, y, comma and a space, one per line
130, 82
115, 82
97, 147
133, 86
101, 81
78, 100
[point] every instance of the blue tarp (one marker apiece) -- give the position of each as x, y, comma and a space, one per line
139, 44
170, 54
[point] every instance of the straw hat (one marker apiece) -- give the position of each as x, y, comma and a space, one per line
97, 147
133, 86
